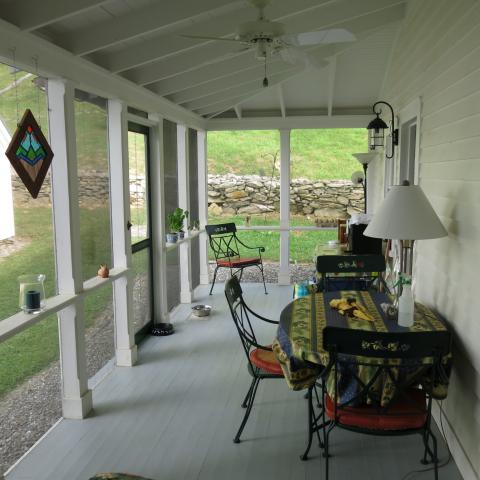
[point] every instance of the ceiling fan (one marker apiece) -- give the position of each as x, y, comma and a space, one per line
268, 38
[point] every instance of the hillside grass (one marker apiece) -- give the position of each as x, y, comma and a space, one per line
324, 154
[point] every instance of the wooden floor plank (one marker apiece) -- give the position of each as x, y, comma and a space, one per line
174, 416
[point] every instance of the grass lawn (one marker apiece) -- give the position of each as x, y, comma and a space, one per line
315, 154
302, 244
33, 349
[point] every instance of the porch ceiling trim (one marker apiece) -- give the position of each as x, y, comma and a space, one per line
53, 61
294, 122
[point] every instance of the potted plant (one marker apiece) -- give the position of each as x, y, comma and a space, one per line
175, 224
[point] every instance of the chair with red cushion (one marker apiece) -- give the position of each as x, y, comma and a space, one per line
380, 383
262, 362
225, 245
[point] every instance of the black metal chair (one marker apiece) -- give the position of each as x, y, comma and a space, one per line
225, 245
262, 362
388, 401
358, 272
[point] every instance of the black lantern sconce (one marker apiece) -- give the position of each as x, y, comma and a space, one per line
376, 130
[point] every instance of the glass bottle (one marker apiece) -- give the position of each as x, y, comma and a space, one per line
406, 305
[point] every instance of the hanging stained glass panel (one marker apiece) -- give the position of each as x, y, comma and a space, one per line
30, 154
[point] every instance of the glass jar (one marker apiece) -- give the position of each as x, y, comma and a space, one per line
32, 292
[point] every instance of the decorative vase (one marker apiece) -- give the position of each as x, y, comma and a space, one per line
172, 238
181, 234
103, 271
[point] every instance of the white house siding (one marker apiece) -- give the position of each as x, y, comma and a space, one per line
437, 58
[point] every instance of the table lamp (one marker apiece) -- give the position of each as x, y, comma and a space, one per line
405, 215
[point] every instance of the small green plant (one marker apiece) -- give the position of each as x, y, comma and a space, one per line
175, 220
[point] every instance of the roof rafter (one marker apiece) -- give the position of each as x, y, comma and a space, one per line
234, 79
45, 12
163, 16
251, 87
331, 83
381, 11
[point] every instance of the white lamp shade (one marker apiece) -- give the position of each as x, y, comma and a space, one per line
405, 214
365, 158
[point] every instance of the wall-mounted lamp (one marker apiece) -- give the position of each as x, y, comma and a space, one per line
376, 130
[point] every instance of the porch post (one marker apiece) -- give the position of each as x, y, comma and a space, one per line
157, 176
76, 397
284, 271
203, 203
125, 348
184, 202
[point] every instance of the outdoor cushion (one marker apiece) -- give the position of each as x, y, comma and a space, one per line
238, 262
116, 476
402, 415
265, 360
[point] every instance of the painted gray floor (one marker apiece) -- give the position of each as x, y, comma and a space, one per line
173, 417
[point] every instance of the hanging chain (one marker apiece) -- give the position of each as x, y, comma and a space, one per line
15, 82
35, 60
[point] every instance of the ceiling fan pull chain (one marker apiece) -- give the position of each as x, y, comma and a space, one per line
265, 79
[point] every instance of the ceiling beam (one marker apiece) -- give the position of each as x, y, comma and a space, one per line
290, 122
218, 51
281, 100
238, 111
229, 81
167, 44
331, 83
29, 15
56, 62
165, 15
251, 87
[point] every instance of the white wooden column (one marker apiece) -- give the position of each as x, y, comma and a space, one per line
76, 397
186, 295
125, 348
157, 176
284, 271
203, 203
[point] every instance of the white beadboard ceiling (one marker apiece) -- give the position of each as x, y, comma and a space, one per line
141, 41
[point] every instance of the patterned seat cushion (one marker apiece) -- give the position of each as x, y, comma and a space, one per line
239, 262
117, 476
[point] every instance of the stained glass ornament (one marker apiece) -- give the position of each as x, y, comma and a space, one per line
30, 154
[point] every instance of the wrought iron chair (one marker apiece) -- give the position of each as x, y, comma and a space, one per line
261, 359
225, 245
387, 401
359, 272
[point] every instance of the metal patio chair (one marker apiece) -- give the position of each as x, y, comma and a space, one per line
225, 245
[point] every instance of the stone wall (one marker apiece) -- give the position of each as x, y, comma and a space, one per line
93, 189
325, 200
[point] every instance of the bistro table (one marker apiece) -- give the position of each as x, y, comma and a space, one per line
299, 339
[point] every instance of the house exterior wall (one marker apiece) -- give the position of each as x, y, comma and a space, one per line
436, 59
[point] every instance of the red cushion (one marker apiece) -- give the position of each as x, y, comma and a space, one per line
239, 262
402, 415
265, 360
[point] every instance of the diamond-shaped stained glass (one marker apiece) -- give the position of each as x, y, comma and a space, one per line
30, 154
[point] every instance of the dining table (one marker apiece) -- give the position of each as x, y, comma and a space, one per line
299, 339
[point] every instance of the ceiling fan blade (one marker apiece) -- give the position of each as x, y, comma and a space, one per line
333, 35
295, 56
206, 37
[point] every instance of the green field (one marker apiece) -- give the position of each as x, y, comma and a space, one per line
315, 154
